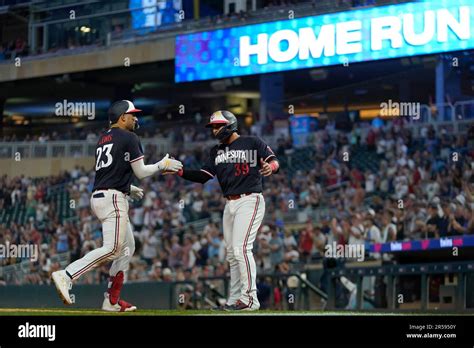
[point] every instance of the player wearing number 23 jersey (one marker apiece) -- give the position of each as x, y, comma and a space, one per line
118, 157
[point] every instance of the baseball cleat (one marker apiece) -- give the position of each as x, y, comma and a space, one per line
63, 285
225, 307
240, 306
120, 306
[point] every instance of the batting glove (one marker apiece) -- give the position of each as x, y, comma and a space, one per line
168, 164
136, 192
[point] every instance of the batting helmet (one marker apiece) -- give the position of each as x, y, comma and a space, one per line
119, 108
226, 118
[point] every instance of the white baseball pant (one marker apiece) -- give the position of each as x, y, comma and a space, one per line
117, 233
241, 220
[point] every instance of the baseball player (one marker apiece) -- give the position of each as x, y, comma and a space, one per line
119, 155
238, 162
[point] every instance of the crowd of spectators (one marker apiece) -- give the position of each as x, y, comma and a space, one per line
423, 188
13, 49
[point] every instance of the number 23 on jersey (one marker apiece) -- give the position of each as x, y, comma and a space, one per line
104, 150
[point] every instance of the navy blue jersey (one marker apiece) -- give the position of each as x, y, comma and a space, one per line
237, 165
116, 150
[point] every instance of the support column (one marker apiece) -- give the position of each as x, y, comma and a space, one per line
440, 87
45, 38
2, 107
271, 96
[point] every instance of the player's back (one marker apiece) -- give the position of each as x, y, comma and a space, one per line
115, 151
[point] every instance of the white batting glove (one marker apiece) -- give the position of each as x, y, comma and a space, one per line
168, 164
136, 192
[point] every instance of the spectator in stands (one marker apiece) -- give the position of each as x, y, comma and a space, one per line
20, 48
289, 239
202, 256
62, 241
263, 252
2, 52
175, 253
433, 224
276, 248
150, 247
372, 232
389, 229
305, 245
458, 221
356, 233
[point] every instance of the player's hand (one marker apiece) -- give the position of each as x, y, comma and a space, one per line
265, 170
136, 192
167, 165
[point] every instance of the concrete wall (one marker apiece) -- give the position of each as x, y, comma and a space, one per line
150, 295
39, 167
96, 59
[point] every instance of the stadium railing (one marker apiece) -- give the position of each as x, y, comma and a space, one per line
16, 273
392, 272
70, 148
209, 291
454, 118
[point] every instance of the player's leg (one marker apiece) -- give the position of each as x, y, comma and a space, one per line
227, 224
110, 209
120, 266
248, 217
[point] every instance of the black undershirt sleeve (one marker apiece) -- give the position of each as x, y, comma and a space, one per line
196, 176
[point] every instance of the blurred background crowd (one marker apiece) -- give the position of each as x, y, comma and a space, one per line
410, 188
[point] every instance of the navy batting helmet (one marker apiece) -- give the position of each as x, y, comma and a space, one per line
226, 118
119, 108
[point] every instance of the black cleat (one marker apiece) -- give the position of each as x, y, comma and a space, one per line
225, 307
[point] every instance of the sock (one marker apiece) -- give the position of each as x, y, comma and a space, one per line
115, 285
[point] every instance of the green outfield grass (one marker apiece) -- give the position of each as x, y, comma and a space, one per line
157, 312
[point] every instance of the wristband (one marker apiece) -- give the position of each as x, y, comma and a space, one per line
274, 165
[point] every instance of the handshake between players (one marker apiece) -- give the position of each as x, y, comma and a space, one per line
119, 157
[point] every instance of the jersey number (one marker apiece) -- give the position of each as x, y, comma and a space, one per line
241, 169
106, 151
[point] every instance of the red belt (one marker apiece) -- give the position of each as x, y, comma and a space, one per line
234, 197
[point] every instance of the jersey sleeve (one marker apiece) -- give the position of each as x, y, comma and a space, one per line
264, 151
135, 148
209, 166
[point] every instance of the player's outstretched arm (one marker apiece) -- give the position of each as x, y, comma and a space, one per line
199, 176
167, 164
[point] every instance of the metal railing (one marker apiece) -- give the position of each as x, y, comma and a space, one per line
16, 273
208, 292
393, 272
456, 119
66, 149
